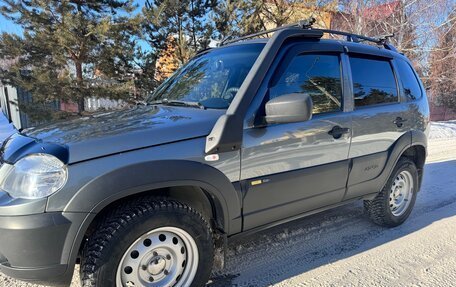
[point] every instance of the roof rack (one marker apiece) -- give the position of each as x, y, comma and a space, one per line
307, 25
303, 24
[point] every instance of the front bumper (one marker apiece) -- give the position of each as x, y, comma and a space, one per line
39, 247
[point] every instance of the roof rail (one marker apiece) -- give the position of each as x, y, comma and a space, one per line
350, 37
307, 25
303, 24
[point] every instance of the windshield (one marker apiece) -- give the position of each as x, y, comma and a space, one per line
210, 80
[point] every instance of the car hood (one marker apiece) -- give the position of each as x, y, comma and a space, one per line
114, 132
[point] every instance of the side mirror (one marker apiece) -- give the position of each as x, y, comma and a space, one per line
289, 108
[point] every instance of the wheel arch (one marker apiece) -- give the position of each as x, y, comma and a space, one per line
199, 185
417, 153
193, 196
174, 176
411, 144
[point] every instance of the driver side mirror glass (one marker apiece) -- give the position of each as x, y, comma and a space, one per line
296, 107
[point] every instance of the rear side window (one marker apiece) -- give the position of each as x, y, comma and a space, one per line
373, 81
411, 86
316, 75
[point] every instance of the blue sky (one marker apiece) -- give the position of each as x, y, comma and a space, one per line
10, 27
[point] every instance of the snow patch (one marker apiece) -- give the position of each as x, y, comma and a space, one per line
443, 130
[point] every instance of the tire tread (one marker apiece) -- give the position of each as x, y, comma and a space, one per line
376, 209
116, 220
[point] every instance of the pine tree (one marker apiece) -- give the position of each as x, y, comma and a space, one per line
239, 17
234, 18
225, 16
68, 43
183, 24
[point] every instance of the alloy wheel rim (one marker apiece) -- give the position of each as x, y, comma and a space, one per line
166, 256
401, 193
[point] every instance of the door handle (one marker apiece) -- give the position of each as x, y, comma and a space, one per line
337, 131
399, 122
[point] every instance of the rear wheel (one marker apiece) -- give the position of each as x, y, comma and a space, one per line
158, 243
393, 205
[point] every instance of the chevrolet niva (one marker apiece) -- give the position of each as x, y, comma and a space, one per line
245, 136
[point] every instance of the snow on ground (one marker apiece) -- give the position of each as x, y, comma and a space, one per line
443, 130
442, 141
341, 247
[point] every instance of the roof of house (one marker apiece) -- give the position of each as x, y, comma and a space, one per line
381, 11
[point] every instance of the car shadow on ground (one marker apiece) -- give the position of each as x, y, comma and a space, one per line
291, 249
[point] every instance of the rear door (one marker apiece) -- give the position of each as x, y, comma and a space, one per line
379, 118
288, 169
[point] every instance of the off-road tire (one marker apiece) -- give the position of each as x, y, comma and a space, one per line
379, 210
118, 230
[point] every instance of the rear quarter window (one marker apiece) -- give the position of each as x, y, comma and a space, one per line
410, 83
373, 81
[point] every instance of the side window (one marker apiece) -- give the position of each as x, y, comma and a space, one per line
373, 81
317, 75
410, 84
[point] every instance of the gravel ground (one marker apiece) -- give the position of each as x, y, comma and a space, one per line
341, 247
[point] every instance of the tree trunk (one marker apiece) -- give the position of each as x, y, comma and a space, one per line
181, 41
79, 77
195, 43
79, 80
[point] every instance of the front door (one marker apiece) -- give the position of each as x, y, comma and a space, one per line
289, 169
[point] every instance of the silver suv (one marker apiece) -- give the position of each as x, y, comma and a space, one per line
243, 137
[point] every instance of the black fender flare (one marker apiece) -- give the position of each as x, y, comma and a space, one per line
419, 138
149, 176
406, 141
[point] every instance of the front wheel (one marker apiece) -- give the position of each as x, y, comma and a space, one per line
149, 243
393, 205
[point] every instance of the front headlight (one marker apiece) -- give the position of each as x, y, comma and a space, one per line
34, 176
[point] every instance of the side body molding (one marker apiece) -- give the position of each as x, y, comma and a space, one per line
147, 176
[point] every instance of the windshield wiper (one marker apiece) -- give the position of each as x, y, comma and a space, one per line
178, 103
